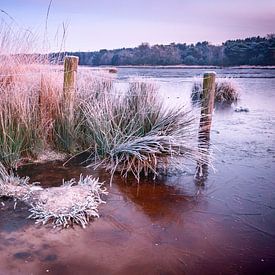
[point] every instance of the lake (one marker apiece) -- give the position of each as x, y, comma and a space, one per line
170, 225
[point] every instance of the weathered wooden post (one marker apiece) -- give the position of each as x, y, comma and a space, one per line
70, 70
207, 106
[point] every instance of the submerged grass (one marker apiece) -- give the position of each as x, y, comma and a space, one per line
74, 202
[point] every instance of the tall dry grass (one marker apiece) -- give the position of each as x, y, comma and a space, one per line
30, 93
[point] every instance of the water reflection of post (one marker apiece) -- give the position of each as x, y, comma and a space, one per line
207, 106
158, 200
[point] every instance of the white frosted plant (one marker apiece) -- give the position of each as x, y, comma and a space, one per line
74, 202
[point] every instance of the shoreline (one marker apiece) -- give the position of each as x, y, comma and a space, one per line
182, 67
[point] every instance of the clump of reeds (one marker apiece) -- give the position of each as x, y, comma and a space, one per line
134, 134
30, 91
226, 91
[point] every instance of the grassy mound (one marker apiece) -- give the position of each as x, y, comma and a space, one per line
71, 203
134, 134
226, 91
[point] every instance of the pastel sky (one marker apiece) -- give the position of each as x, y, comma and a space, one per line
96, 24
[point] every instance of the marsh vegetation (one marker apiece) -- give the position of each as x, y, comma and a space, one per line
130, 132
226, 91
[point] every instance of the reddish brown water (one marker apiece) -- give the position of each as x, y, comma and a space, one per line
168, 226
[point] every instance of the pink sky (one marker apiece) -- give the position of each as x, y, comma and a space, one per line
93, 25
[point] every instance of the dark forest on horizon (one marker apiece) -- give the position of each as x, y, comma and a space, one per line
250, 51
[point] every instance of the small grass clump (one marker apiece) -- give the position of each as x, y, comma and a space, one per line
74, 202
226, 92
134, 134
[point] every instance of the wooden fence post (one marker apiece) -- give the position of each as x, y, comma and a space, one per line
207, 106
70, 70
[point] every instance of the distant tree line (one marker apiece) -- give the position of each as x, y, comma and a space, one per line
249, 51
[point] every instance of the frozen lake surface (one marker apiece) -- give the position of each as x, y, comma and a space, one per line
169, 226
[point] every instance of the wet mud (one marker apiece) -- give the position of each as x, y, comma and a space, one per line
170, 225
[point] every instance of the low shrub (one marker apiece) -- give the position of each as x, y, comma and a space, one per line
226, 91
